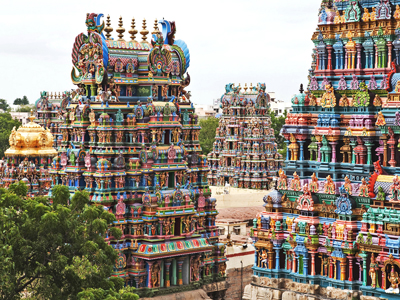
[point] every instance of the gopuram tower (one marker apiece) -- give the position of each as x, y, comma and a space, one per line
333, 220
130, 138
244, 152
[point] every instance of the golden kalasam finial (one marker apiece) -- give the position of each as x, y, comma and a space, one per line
245, 87
133, 31
108, 28
144, 31
31, 117
120, 30
156, 30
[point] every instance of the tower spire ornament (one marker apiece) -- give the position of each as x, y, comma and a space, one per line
133, 31
108, 28
120, 30
144, 31
156, 30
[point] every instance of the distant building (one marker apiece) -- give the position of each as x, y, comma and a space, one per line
20, 116
279, 107
206, 111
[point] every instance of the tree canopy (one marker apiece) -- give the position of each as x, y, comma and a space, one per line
4, 105
6, 125
207, 133
58, 250
276, 124
21, 101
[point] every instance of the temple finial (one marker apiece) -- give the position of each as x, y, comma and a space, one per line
301, 88
108, 28
156, 30
133, 31
120, 30
144, 31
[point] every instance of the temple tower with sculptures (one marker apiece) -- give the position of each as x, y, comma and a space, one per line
130, 138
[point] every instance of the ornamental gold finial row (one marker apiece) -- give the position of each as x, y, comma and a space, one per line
133, 31
120, 30
144, 31
108, 28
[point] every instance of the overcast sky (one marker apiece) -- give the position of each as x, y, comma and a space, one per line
229, 41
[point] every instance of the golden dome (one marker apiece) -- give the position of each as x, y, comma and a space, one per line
31, 139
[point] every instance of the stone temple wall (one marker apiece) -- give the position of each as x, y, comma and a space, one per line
285, 289
237, 281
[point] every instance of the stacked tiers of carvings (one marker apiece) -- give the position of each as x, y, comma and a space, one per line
244, 152
136, 151
342, 222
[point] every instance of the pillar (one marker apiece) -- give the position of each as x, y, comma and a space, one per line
376, 56
298, 264
392, 161
294, 263
364, 256
270, 259
305, 265
353, 157
301, 150
277, 259
333, 145
358, 46
345, 59
180, 264
330, 268
389, 44
319, 152
329, 48
313, 263
385, 158
369, 158
350, 268
286, 261
167, 281
149, 264
343, 269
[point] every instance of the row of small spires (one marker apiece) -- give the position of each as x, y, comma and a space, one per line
245, 87
55, 96
132, 31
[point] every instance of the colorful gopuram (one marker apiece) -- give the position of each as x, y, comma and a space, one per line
130, 138
244, 152
29, 158
49, 112
333, 223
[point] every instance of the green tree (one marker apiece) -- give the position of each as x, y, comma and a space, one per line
24, 100
4, 105
25, 108
276, 124
6, 125
17, 101
207, 133
58, 250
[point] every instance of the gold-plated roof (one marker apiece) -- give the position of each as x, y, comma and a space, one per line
31, 139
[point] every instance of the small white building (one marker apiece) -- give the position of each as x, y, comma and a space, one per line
20, 116
205, 111
279, 107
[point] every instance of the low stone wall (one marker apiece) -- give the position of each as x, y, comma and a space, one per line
286, 289
236, 283
239, 197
